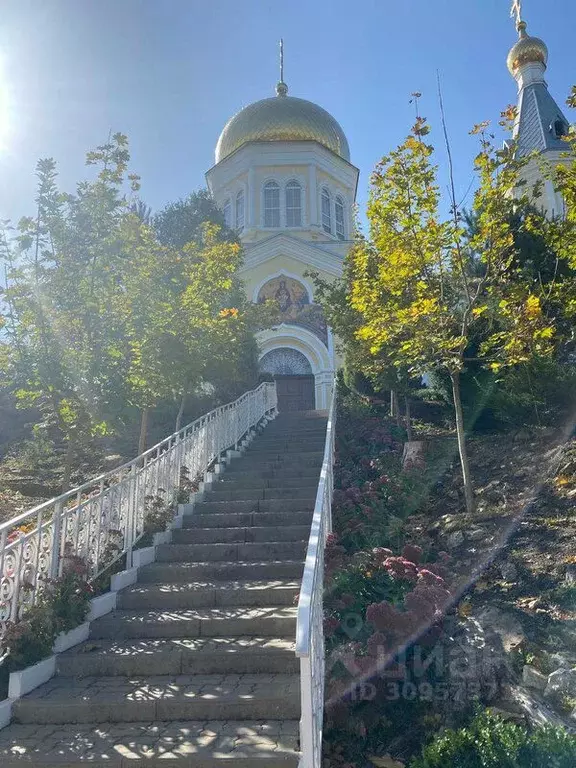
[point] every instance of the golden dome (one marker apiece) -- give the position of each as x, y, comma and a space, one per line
282, 118
528, 50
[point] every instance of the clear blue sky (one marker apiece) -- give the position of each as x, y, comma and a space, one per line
169, 73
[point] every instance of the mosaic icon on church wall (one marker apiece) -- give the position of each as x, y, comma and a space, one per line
294, 305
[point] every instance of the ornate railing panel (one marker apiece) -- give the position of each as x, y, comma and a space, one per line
310, 629
101, 520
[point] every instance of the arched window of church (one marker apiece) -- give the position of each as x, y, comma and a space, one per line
326, 211
240, 211
271, 204
339, 217
293, 204
227, 212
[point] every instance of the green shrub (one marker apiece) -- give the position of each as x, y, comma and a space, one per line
489, 742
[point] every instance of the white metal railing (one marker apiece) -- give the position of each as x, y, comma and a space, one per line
310, 622
101, 520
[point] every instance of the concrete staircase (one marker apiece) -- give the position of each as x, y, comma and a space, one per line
196, 667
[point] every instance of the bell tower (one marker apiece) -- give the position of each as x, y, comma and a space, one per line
540, 123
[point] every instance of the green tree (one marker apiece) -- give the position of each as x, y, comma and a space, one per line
181, 222
103, 319
416, 283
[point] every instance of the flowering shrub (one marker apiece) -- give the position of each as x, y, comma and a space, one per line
392, 599
69, 595
62, 605
30, 640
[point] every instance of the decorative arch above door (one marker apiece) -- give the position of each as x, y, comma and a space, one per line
285, 361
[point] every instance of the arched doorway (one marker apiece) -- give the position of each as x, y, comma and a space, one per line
294, 378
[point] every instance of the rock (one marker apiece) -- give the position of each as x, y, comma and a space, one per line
534, 679
562, 661
477, 534
563, 681
508, 571
506, 626
505, 714
522, 435
571, 574
385, 762
475, 656
455, 539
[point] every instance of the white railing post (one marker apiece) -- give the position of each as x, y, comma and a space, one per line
56, 540
310, 620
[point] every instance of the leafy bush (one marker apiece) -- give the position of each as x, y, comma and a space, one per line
158, 514
489, 742
69, 595
31, 639
373, 495
62, 605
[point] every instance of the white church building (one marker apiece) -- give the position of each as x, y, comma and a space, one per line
284, 180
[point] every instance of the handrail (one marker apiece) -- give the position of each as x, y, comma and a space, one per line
310, 617
102, 519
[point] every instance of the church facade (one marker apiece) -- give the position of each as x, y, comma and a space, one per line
285, 183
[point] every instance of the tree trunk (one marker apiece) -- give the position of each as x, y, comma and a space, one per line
68, 459
408, 417
143, 431
468, 491
180, 413
393, 404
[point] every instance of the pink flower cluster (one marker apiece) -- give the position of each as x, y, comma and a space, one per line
424, 605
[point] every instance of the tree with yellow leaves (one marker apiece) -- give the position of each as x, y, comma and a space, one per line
422, 286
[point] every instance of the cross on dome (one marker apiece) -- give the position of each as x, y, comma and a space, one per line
281, 87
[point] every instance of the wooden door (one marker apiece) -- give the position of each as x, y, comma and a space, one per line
295, 393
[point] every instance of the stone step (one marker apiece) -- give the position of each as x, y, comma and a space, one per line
162, 697
272, 621
253, 480
241, 534
242, 494
155, 744
185, 573
295, 458
208, 594
255, 505
181, 656
231, 553
237, 469
247, 519
276, 447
